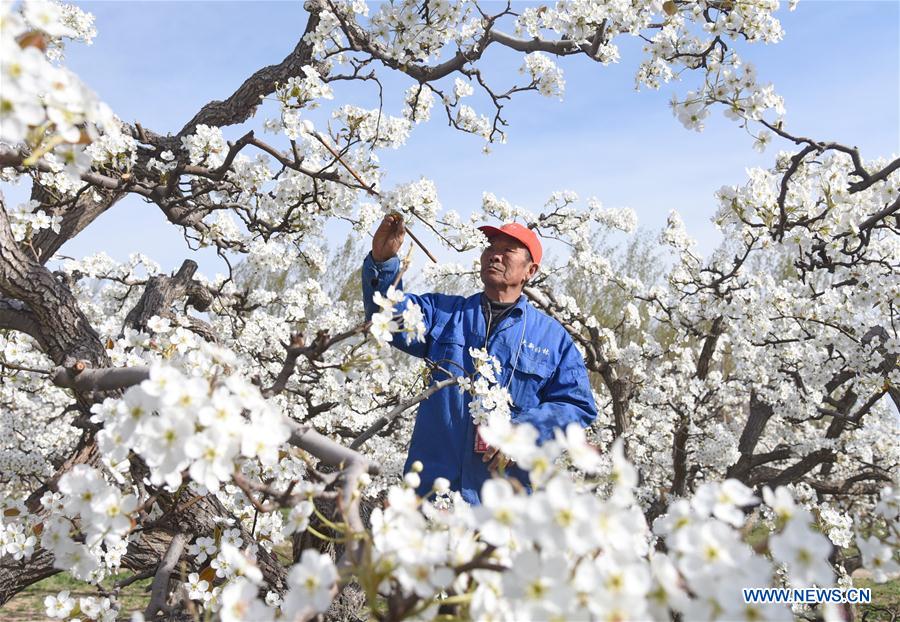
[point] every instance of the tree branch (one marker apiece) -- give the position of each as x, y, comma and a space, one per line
77, 214
353, 465
15, 315
373, 429
14, 158
162, 291
760, 413
794, 472
241, 104
160, 588
361, 41
82, 379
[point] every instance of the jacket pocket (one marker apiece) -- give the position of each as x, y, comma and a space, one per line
447, 352
530, 375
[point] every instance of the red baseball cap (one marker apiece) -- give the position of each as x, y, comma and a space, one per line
523, 234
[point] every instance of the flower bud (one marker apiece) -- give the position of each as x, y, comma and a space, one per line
412, 479
417, 466
442, 485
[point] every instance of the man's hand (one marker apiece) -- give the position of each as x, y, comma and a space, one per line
497, 460
388, 237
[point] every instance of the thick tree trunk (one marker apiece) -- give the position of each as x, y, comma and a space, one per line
34, 301
758, 417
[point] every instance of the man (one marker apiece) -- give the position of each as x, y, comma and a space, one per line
541, 367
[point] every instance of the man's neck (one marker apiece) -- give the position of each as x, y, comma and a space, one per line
507, 295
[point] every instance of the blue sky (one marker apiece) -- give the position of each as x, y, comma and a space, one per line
838, 69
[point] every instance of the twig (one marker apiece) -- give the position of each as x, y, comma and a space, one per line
135, 578
369, 189
404, 266
399, 409
33, 370
337, 156
422, 246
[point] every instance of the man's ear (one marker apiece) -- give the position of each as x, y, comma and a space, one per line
532, 270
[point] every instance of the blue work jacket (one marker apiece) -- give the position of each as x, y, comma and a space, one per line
549, 385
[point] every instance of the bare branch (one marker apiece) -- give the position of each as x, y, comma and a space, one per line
160, 588
241, 104
83, 379
373, 429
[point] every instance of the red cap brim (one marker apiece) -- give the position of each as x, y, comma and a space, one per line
532, 244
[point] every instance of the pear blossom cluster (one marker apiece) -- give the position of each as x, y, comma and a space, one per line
26, 220
489, 400
545, 74
177, 423
205, 146
387, 322
44, 106
419, 101
417, 199
301, 91
64, 606
372, 126
406, 37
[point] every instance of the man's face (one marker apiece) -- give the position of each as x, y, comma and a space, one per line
506, 262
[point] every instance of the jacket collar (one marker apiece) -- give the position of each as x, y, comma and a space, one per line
517, 310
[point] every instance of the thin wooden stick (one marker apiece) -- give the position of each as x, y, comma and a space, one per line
422, 246
368, 188
337, 156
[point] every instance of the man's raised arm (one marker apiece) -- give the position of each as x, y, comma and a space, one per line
379, 271
381, 265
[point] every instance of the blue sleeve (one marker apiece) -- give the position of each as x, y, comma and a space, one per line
565, 398
378, 277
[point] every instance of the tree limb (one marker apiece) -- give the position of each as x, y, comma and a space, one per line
162, 291
160, 587
64, 330
15, 315
373, 429
83, 379
241, 104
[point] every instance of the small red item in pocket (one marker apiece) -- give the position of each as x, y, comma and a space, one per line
480, 446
